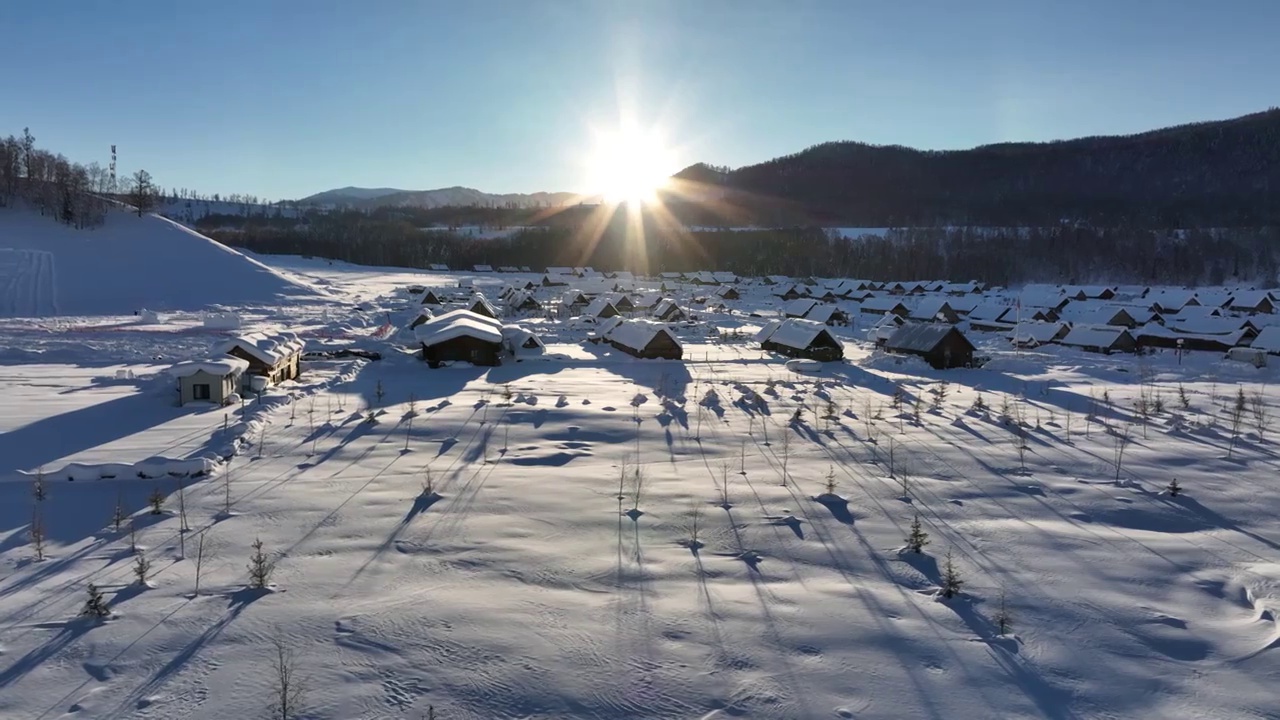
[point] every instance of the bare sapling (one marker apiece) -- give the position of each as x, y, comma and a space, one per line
203, 550
1236, 415
742, 458
1121, 442
786, 455
695, 525
287, 689
637, 491
893, 449
37, 534
226, 488
260, 567
379, 392
133, 537
623, 476
117, 515
829, 485
723, 486
428, 484
1183, 400
38, 489
1003, 618
904, 479
1261, 414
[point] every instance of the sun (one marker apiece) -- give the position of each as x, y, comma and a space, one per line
629, 165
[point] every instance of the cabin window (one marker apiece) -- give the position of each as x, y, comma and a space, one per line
200, 391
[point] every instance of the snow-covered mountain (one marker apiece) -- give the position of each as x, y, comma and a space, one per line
129, 263
441, 197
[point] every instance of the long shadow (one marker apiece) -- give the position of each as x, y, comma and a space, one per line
1052, 702
238, 601
1214, 518
44, 441
68, 634
421, 504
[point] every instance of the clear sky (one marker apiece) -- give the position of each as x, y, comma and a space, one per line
283, 98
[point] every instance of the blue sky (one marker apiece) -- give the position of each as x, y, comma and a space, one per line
282, 98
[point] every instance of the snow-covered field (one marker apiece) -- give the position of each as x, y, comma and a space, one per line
525, 587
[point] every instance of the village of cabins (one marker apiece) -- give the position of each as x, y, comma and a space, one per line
489, 323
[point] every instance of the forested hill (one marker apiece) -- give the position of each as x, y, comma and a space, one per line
1210, 174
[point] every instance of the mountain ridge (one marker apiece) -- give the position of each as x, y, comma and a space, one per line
456, 195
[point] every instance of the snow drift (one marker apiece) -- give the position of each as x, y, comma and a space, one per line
130, 263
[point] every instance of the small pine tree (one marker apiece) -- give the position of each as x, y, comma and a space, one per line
1182, 397
798, 415
898, 396
951, 581
1174, 488
379, 392
260, 567
918, 537
141, 568
156, 501
38, 489
831, 481
979, 405
95, 606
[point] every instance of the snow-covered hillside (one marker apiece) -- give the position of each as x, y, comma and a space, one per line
130, 263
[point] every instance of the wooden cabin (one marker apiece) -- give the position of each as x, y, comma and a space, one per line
942, 346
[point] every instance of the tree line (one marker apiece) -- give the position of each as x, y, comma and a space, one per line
1003, 256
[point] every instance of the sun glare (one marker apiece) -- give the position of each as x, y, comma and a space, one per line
629, 165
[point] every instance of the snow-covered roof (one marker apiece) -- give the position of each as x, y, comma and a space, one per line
799, 334
637, 334
767, 331
923, 337
1268, 339
1037, 332
516, 337
452, 315
606, 326
434, 333
1160, 331
214, 366
1206, 324
881, 304
267, 348
929, 308
1094, 335
821, 312
798, 307
991, 311
598, 306
1249, 298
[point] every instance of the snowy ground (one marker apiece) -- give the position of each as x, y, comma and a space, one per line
527, 590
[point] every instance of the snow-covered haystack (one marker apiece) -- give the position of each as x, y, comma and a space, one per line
127, 264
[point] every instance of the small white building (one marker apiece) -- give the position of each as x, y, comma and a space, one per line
213, 381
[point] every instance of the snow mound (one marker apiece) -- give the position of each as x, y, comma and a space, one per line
129, 263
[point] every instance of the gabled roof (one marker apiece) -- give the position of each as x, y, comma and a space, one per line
598, 306
1249, 298
767, 331
922, 338
221, 367
821, 312
991, 311
435, 332
929, 308
1268, 340
881, 304
637, 334
1102, 336
447, 317
1035, 331
799, 307
269, 349
798, 334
